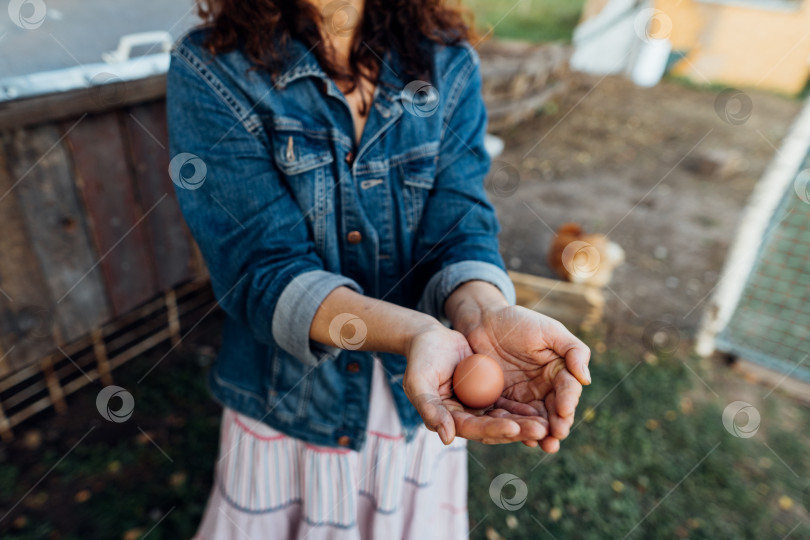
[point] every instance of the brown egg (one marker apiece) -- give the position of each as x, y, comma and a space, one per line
478, 381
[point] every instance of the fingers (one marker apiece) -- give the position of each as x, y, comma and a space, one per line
550, 445
531, 418
531, 427
516, 407
435, 416
568, 391
576, 354
480, 428
563, 399
561, 403
576, 360
559, 425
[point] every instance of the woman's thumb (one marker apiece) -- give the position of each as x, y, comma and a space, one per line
435, 415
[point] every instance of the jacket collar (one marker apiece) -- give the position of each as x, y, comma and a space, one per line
301, 62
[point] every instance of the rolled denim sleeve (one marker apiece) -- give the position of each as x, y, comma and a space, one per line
253, 236
458, 235
296, 308
446, 280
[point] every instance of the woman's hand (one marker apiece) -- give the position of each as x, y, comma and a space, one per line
432, 356
544, 367
544, 364
538, 356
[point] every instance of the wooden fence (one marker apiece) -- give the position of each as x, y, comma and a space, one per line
92, 241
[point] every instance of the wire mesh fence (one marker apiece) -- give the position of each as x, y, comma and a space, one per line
771, 324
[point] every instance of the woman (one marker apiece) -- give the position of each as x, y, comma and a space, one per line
329, 159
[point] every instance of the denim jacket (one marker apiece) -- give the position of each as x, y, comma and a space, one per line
286, 206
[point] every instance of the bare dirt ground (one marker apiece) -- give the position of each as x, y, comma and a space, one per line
661, 171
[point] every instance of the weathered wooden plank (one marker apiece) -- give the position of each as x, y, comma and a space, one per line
105, 183
40, 170
5, 427
65, 105
573, 304
55, 389
168, 235
102, 360
173, 317
26, 332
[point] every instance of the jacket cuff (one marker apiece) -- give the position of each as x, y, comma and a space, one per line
446, 280
295, 310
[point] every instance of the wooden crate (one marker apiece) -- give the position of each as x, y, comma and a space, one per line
575, 305
91, 225
92, 236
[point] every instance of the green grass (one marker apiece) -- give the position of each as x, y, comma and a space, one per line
655, 462
530, 20
129, 484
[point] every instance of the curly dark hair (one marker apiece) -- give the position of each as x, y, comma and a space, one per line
262, 28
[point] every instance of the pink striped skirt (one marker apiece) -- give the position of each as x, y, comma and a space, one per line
269, 485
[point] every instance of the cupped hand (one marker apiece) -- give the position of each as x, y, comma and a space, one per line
432, 358
544, 365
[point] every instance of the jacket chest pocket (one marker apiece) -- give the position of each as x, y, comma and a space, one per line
418, 178
304, 160
295, 153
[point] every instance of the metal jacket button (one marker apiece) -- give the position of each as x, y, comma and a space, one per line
353, 367
350, 158
354, 237
344, 440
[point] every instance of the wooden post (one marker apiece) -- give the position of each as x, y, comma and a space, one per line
5, 427
100, 351
5, 368
173, 317
54, 388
